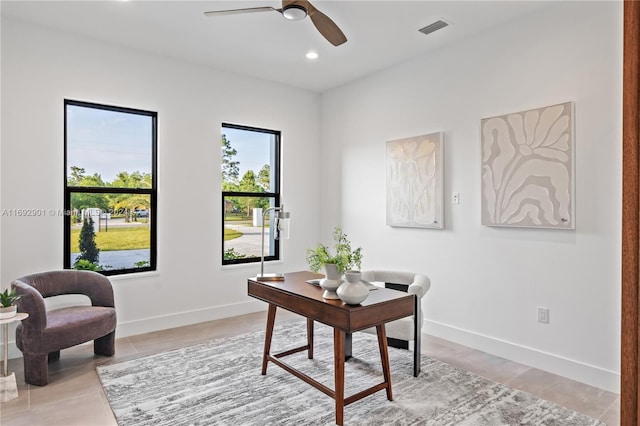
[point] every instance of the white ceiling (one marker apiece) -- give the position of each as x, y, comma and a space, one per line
265, 45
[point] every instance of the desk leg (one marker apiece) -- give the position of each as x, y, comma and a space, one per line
384, 356
310, 338
338, 360
271, 319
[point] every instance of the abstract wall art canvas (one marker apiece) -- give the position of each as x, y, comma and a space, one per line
414, 182
528, 168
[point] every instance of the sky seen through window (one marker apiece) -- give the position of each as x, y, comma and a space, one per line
108, 142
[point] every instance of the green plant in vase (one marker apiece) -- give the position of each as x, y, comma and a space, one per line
344, 257
8, 298
334, 263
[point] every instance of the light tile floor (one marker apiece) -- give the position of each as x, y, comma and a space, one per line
74, 395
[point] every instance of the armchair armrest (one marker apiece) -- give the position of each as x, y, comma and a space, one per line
420, 285
31, 301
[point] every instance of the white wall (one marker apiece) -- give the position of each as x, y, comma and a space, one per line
488, 282
41, 67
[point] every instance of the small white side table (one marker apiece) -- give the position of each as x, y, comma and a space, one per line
8, 385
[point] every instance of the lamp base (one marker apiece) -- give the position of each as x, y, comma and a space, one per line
270, 277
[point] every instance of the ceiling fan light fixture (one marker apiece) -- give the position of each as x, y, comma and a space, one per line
294, 12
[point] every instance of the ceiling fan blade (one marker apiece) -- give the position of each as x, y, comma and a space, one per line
326, 26
238, 11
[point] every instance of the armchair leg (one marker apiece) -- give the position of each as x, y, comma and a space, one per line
417, 336
105, 345
416, 358
403, 344
397, 343
36, 370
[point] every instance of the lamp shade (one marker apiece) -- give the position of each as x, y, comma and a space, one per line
282, 226
280, 232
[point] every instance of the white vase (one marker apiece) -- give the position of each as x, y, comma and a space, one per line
353, 291
8, 312
331, 282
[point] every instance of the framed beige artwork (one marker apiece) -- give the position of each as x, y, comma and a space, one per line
528, 168
414, 182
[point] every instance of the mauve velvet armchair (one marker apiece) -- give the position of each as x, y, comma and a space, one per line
41, 336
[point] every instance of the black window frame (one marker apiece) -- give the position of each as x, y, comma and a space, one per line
151, 192
276, 195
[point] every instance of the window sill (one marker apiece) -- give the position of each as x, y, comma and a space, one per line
254, 265
133, 275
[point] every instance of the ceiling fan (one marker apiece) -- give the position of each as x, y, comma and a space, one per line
295, 10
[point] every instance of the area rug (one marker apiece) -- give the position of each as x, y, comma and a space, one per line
219, 383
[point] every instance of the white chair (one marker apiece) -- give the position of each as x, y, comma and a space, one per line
404, 330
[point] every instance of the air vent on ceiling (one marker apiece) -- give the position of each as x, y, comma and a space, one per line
438, 25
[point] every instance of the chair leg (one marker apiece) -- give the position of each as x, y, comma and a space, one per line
417, 335
105, 345
36, 370
403, 344
397, 343
416, 357
348, 346
53, 356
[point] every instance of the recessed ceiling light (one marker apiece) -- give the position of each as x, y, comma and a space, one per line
312, 55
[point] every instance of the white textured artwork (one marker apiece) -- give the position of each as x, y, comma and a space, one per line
527, 168
414, 182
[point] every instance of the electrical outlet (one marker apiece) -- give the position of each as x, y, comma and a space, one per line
455, 198
543, 315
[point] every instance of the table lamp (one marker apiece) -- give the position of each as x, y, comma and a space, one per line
281, 232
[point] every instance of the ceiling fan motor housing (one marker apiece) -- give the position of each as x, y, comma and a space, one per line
294, 12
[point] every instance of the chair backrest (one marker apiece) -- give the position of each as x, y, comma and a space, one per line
95, 286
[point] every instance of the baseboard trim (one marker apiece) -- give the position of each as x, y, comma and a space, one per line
181, 319
559, 365
164, 322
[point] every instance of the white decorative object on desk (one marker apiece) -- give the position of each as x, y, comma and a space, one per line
353, 291
331, 282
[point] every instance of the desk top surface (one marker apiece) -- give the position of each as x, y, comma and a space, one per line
295, 294
296, 283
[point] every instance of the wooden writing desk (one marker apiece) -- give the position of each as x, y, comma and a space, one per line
296, 295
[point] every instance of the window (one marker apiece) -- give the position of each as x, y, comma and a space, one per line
109, 188
250, 185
